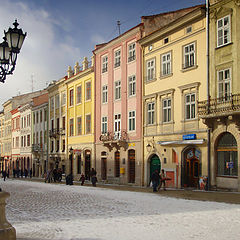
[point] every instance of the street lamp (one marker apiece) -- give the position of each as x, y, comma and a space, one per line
9, 49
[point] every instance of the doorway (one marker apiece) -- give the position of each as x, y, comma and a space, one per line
155, 164
87, 164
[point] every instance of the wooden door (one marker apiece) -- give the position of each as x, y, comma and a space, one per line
104, 168
192, 172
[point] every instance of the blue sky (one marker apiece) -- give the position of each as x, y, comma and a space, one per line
61, 32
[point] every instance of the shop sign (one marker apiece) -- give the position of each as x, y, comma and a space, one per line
189, 137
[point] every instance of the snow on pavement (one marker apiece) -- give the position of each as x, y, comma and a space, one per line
42, 211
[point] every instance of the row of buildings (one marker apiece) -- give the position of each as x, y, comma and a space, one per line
164, 94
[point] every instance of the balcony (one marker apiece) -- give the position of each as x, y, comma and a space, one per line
54, 133
114, 139
219, 107
37, 148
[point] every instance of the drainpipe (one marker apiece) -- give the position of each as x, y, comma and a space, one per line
208, 95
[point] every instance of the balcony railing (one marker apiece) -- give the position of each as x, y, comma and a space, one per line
113, 136
53, 133
131, 58
219, 106
37, 148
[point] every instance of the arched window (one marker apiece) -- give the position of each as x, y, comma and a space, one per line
227, 155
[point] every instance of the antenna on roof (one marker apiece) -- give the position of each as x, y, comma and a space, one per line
118, 23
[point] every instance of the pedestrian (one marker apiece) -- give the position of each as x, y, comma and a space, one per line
26, 173
162, 177
94, 180
4, 175
18, 173
92, 173
69, 179
155, 180
30, 173
82, 179
14, 173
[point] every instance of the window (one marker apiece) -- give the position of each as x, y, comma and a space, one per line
57, 145
79, 94
117, 126
37, 119
132, 85
117, 90
104, 64
45, 115
223, 31
131, 52
17, 142
71, 97
88, 124
71, 127
190, 106
166, 110
104, 125
131, 120
28, 140
150, 69
79, 126
40, 115
63, 122
63, 98
150, 112
41, 139
57, 101
189, 29
37, 140
58, 124
227, 156
224, 84
117, 58
166, 40
189, 55
24, 141
104, 94
166, 64
51, 103
88, 91
52, 146
63, 145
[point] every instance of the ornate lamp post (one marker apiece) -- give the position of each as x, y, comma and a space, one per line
9, 49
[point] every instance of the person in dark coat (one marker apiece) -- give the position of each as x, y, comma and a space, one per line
26, 173
69, 179
155, 180
82, 179
4, 174
30, 173
94, 180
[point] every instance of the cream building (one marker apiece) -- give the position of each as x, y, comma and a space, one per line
174, 73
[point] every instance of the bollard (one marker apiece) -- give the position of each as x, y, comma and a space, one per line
7, 231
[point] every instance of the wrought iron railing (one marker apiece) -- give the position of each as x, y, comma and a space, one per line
220, 105
114, 136
37, 148
53, 133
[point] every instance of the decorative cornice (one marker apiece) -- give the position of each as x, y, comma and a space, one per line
190, 85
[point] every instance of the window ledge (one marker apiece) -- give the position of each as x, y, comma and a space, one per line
224, 45
166, 76
150, 81
190, 120
189, 68
167, 123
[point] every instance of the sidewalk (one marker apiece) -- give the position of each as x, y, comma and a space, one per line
215, 196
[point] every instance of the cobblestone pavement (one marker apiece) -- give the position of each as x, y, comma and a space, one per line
42, 211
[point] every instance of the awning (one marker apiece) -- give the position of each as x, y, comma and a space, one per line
182, 142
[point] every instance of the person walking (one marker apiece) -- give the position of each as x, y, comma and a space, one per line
162, 176
4, 174
82, 179
94, 180
155, 180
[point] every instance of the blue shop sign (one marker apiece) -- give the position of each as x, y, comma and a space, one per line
189, 137
229, 164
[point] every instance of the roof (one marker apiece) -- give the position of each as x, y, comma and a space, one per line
39, 100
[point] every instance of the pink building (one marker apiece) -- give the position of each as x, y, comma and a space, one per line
118, 121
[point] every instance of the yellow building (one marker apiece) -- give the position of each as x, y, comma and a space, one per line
57, 150
80, 119
174, 73
221, 113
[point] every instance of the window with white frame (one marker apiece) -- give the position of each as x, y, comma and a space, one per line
63, 98
150, 69
167, 108
117, 58
88, 123
104, 64
132, 121
190, 106
166, 67
189, 55
104, 125
117, 126
79, 94
223, 31
132, 85
104, 94
224, 84
88, 91
131, 52
57, 101
117, 90
150, 113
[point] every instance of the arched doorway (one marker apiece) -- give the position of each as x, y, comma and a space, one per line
104, 165
191, 167
117, 163
227, 155
87, 164
131, 166
155, 164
